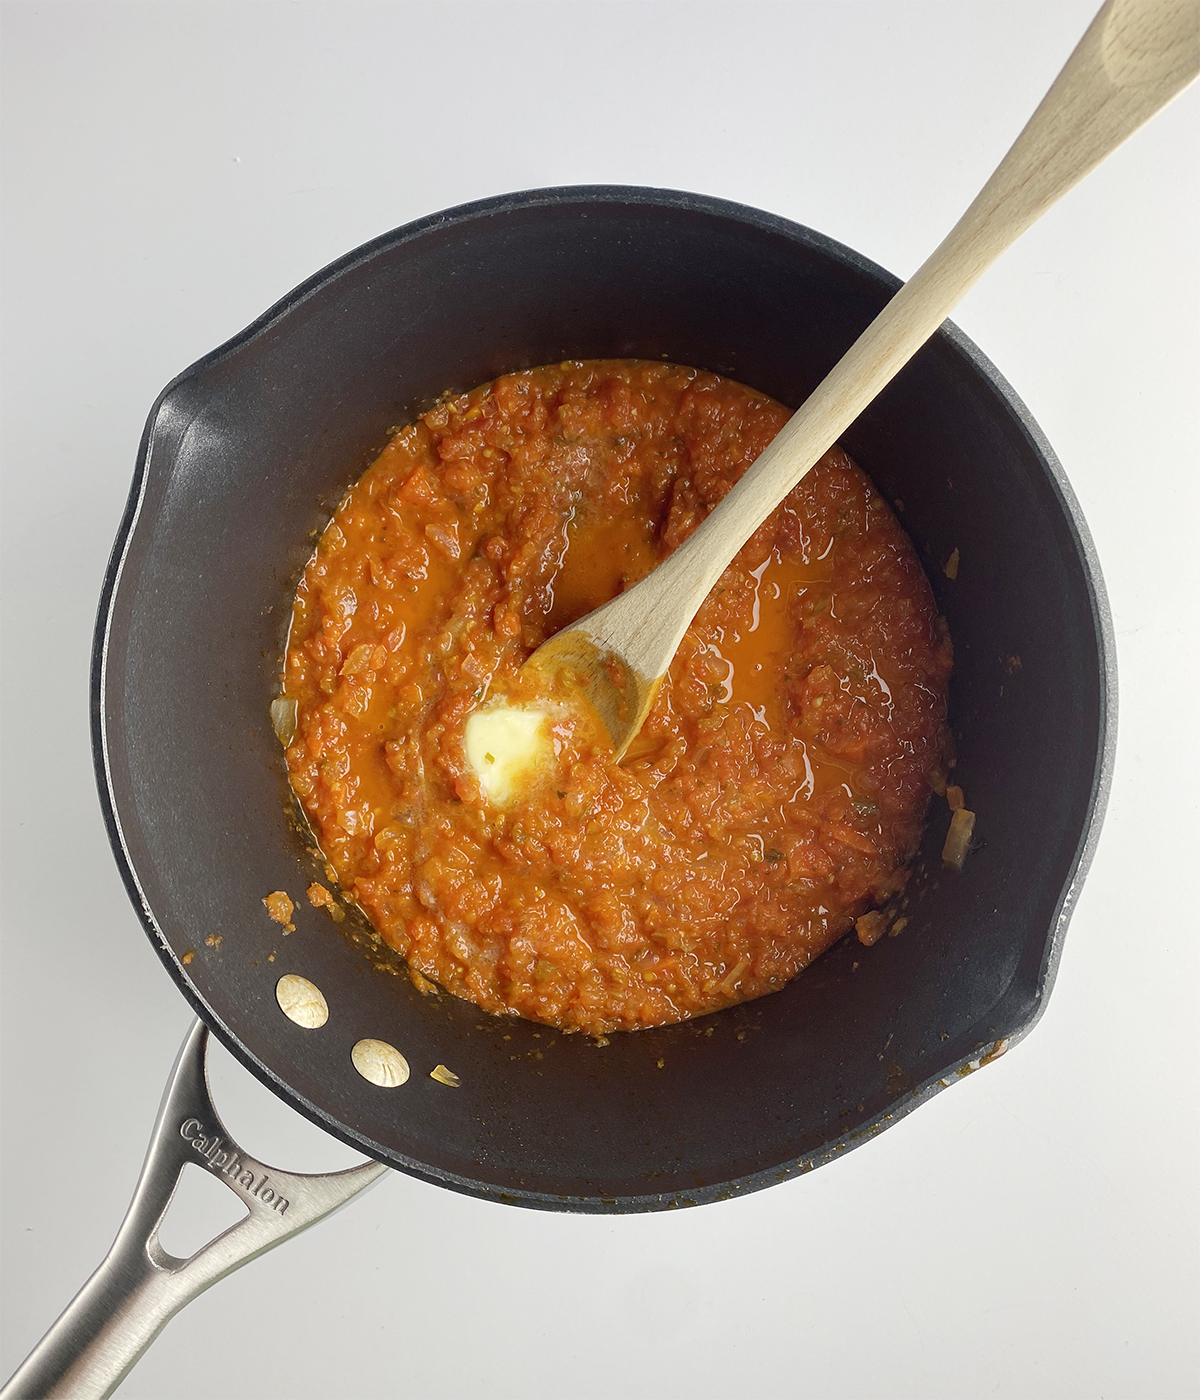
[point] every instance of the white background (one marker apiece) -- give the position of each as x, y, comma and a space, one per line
170, 169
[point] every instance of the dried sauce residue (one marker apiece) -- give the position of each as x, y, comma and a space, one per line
320, 898
280, 908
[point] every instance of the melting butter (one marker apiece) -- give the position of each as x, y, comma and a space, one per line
508, 747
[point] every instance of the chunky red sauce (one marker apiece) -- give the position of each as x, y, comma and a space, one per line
779, 786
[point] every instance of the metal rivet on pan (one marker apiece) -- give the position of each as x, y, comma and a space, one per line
301, 1001
380, 1063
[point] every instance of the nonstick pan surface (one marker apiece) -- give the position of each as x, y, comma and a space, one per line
242, 461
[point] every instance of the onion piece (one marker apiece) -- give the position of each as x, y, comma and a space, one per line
958, 838
871, 927
284, 715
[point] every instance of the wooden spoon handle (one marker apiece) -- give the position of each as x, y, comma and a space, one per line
1135, 56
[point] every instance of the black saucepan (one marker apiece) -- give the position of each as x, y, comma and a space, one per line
243, 459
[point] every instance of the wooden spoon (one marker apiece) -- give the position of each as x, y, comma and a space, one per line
1135, 56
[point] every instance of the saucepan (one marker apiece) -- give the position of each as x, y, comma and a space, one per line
243, 459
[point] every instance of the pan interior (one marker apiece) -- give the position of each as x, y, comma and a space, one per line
246, 455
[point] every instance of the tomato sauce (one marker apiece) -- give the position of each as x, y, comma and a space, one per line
779, 786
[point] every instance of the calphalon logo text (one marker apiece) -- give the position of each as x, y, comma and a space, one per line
218, 1158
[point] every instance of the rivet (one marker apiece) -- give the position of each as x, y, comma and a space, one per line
380, 1063
301, 1001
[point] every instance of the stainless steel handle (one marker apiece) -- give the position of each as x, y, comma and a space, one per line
139, 1287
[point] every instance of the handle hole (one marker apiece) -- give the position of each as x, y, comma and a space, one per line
201, 1208
262, 1124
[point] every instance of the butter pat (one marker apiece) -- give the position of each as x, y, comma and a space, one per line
508, 748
